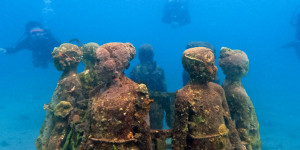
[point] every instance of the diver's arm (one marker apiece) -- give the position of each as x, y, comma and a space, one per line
20, 46
141, 116
3, 50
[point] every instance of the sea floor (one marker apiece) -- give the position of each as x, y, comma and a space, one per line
279, 124
20, 121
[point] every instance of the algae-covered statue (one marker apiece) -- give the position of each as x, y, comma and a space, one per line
185, 76
77, 134
148, 72
119, 109
68, 91
88, 77
202, 119
152, 75
235, 65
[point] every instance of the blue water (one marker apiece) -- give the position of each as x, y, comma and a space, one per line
258, 27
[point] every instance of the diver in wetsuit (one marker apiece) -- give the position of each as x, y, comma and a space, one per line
38, 40
176, 13
297, 26
296, 23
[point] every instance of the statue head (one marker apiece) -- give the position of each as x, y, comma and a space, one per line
113, 59
146, 53
66, 57
199, 62
89, 55
234, 63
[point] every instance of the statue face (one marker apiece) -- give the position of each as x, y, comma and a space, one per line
59, 61
204, 71
146, 53
107, 70
106, 65
67, 56
238, 70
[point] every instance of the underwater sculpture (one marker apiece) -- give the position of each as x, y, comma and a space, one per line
78, 134
202, 119
101, 110
89, 78
119, 109
235, 65
152, 75
68, 91
148, 72
185, 76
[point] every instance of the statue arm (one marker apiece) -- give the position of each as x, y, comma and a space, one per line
169, 115
143, 134
133, 74
163, 81
180, 130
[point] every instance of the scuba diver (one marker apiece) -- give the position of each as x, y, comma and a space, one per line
295, 21
297, 26
176, 13
38, 40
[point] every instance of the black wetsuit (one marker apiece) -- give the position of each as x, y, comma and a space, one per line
297, 26
176, 12
41, 47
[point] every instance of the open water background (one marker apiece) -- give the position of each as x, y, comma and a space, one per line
258, 27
